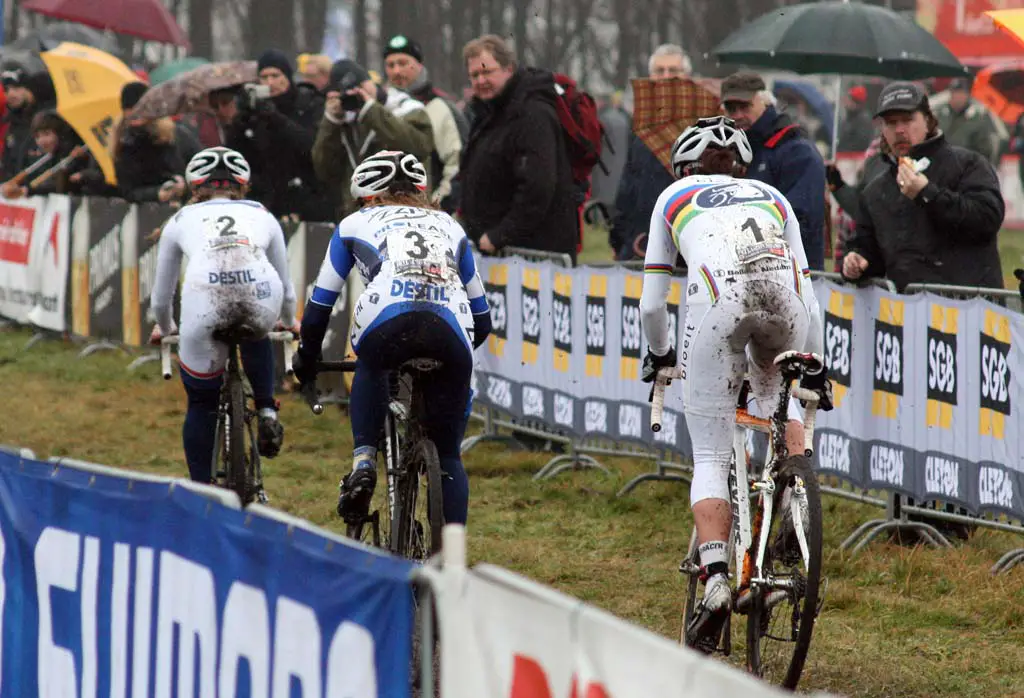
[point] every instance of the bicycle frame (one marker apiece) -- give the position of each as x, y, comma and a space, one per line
745, 527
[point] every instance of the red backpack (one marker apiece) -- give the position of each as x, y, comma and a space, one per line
578, 114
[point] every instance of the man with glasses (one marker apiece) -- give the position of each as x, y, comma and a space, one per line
784, 156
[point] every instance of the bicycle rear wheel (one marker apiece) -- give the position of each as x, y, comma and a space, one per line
237, 475
417, 523
783, 612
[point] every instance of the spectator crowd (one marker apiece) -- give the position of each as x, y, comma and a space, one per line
506, 160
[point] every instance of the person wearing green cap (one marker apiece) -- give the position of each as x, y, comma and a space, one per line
403, 64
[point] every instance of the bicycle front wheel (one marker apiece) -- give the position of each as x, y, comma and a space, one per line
418, 520
785, 606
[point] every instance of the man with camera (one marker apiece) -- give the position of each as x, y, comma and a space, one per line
360, 118
273, 124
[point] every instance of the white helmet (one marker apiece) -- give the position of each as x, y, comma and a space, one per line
718, 131
388, 170
217, 164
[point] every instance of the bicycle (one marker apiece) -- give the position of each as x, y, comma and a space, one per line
410, 459
236, 469
775, 550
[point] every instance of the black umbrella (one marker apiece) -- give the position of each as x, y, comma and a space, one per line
29, 60
848, 38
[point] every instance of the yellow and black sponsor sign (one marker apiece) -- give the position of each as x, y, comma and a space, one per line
888, 373
839, 343
496, 289
995, 375
597, 327
561, 321
942, 365
629, 364
531, 316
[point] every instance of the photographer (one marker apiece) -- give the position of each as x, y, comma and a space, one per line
273, 125
361, 118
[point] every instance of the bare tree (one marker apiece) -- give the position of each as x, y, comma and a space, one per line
360, 31
200, 27
314, 22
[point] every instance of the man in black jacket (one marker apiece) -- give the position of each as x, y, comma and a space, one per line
517, 187
934, 214
275, 133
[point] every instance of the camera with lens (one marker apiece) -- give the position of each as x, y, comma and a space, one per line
253, 94
349, 81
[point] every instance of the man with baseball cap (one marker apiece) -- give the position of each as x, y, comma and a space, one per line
360, 118
403, 64
933, 214
784, 156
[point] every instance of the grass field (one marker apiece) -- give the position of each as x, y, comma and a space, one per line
897, 621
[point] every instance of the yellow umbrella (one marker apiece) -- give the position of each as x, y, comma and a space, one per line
88, 83
1012, 22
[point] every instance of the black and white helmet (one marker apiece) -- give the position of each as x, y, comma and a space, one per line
217, 164
388, 170
718, 131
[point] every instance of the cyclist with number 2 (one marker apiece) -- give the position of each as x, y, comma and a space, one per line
236, 278
423, 300
749, 299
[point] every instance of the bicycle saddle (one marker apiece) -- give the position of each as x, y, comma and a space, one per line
421, 365
799, 361
237, 333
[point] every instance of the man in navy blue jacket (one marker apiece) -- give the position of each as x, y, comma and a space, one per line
783, 156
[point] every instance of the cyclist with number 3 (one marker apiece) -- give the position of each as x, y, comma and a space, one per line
423, 300
236, 279
749, 299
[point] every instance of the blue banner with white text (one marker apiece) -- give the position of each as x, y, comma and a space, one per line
119, 587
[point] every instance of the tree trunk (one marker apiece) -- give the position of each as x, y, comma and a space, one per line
270, 24
200, 27
360, 31
496, 19
627, 40
314, 23
522, 8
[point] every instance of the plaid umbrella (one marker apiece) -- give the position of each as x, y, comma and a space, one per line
187, 92
662, 109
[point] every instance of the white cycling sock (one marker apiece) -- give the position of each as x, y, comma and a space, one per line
268, 412
711, 552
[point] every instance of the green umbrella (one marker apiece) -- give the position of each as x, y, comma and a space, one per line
848, 38
168, 70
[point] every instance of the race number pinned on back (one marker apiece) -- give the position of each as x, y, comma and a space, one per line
756, 242
419, 253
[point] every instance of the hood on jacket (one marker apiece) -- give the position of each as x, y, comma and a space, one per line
770, 123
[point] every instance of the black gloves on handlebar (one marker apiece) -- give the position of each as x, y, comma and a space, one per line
304, 367
653, 362
818, 383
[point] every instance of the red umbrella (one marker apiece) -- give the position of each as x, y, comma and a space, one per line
146, 19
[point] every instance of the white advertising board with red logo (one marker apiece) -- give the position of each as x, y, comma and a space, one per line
34, 239
505, 636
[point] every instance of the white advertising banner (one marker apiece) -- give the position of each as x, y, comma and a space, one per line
34, 239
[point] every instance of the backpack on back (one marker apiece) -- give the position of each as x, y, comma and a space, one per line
578, 114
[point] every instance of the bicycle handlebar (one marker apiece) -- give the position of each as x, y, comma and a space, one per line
285, 337
665, 375
658, 398
308, 390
